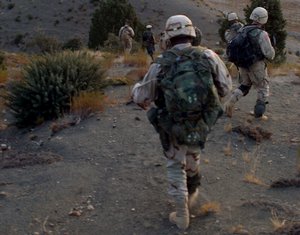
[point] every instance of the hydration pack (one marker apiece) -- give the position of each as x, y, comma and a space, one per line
191, 102
243, 50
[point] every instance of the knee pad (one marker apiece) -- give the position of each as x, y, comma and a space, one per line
245, 89
259, 108
193, 183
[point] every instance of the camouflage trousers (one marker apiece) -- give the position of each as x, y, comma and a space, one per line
256, 76
182, 162
127, 45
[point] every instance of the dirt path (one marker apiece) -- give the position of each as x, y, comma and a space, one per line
106, 175
112, 179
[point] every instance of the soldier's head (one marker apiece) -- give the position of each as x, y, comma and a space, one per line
179, 29
232, 17
149, 27
259, 15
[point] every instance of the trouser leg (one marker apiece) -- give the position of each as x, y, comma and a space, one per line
177, 179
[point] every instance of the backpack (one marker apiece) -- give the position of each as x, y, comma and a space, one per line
125, 33
243, 50
191, 104
148, 38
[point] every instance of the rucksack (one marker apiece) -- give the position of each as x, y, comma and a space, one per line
126, 33
148, 38
243, 50
191, 101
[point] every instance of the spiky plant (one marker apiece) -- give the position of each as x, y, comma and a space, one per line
49, 84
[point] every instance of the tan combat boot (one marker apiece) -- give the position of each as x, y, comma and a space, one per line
229, 107
181, 216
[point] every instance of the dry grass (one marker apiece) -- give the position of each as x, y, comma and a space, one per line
139, 59
283, 69
137, 74
252, 179
107, 61
276, 222
246, 157
209, 208
3, 76
238, 229
228, 127
87, 103
228, 149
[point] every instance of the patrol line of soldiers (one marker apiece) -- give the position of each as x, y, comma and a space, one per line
183, 161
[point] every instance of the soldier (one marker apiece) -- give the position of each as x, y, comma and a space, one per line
234, 26
126, 34
149, 41
183, 155
256, 74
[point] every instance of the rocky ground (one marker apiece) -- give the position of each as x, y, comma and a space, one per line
106, 174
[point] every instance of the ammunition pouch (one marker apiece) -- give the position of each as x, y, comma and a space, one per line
192, 133
158, 121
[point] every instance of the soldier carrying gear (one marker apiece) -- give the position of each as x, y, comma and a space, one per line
182, 132
126, 34
256, 74
149, 41
235, 25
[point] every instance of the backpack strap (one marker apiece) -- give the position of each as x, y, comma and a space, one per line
253, 40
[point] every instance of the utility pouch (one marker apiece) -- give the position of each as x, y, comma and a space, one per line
152, 117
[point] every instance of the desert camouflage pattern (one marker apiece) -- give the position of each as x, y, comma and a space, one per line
126, 34
182, 160
232, 31
257, 74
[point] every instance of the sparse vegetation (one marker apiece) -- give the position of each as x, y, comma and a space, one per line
138, 59
45, 44
87, 102
73, 44
49, 84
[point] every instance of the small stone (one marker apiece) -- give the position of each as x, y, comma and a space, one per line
90, 207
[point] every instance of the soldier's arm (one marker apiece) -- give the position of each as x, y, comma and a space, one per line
266, 46
143, 93
221, 76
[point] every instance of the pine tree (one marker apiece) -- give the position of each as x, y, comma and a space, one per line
275, 25
109, 17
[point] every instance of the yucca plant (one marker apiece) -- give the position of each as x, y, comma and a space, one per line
49, 84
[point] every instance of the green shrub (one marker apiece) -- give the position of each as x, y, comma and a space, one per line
73, 44
49, 84
109, 17
45, 44
112, 44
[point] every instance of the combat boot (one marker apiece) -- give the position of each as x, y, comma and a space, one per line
194, 201
229, 106
181, 216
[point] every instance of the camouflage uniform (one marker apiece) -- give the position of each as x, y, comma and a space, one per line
182, 160
232, 31
126, 34
256, 74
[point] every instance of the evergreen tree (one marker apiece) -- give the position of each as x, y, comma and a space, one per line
275, 25
109, 17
